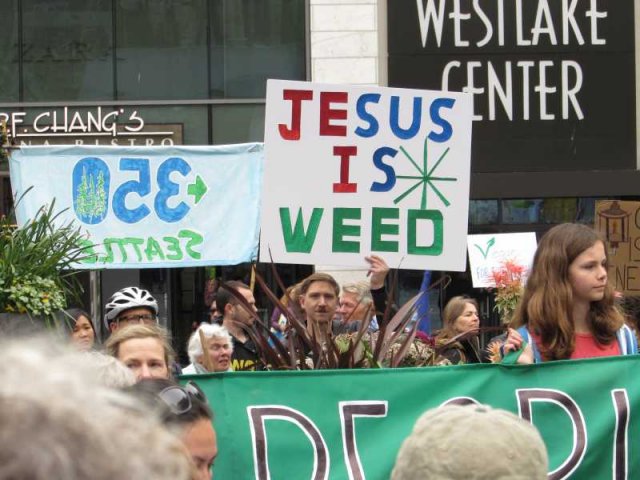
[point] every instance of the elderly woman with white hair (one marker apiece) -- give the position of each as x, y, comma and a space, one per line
209, 348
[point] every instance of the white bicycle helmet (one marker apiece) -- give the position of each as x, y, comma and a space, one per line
126, 298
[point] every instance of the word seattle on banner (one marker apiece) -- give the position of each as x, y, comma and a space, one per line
148, 206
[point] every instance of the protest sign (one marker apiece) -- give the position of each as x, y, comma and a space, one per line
148, 206
351, 170
349, 424
489, 252
619, 224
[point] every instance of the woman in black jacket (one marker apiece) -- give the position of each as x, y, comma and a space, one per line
457, 343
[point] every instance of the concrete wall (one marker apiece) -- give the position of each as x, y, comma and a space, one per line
348, 45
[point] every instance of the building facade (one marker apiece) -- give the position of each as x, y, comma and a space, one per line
189, 72
554, 85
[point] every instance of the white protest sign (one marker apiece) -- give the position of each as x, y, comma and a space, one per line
488, 252
352, 170
148, 206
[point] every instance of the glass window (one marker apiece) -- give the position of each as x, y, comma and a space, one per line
253, 40
67, 50
237, 124
6, 197
190, 121
559, 210
483, 212
161, 49
9, 52
521, 211
586, 210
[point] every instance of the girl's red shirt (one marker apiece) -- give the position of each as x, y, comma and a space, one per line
586, 346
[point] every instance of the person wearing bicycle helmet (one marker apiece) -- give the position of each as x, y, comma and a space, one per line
128, 306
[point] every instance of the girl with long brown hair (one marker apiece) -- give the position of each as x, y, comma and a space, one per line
567, 309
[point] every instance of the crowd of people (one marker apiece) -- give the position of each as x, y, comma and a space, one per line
568, 310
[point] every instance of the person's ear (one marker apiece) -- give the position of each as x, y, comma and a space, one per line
113, 326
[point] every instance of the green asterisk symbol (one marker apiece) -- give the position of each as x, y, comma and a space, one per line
426, 178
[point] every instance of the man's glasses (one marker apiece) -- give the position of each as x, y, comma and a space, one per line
178, 398
145, 318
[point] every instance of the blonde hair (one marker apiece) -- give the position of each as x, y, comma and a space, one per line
361, 290
131, 332
546, 306
110, 371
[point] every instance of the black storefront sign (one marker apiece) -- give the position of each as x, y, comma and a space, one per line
553, 80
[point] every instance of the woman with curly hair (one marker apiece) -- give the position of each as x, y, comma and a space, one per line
567, 310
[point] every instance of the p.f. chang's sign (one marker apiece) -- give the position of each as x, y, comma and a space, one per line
97, 126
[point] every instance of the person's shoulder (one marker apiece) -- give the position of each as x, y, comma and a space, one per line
452, 354
189, 369
627, 340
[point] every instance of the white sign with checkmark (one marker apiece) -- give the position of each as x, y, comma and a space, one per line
489, 252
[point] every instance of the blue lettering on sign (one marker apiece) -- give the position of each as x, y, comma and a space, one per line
394, 118
169, 188
434, 112
91, 187
361, 110
388, 170
142, 187
91, 179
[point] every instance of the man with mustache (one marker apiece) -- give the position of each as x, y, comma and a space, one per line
319, 300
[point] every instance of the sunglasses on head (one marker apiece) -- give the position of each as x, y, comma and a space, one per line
178, 398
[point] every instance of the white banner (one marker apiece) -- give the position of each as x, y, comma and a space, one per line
351, 170
148, 206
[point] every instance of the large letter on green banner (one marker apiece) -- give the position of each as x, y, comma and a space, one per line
349, 424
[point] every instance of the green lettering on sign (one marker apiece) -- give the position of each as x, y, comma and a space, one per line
136, 243
108, 248
295, 239
120, 243
340, 230
89, 253
153, 249
434, 216
378, 229
173, 248
194, 239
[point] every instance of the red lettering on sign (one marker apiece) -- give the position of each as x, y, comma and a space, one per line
345, 153
327, 114
296, 97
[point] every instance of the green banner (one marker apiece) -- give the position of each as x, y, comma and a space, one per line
349, 424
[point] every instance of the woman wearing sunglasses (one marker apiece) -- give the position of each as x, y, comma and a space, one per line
185, 410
